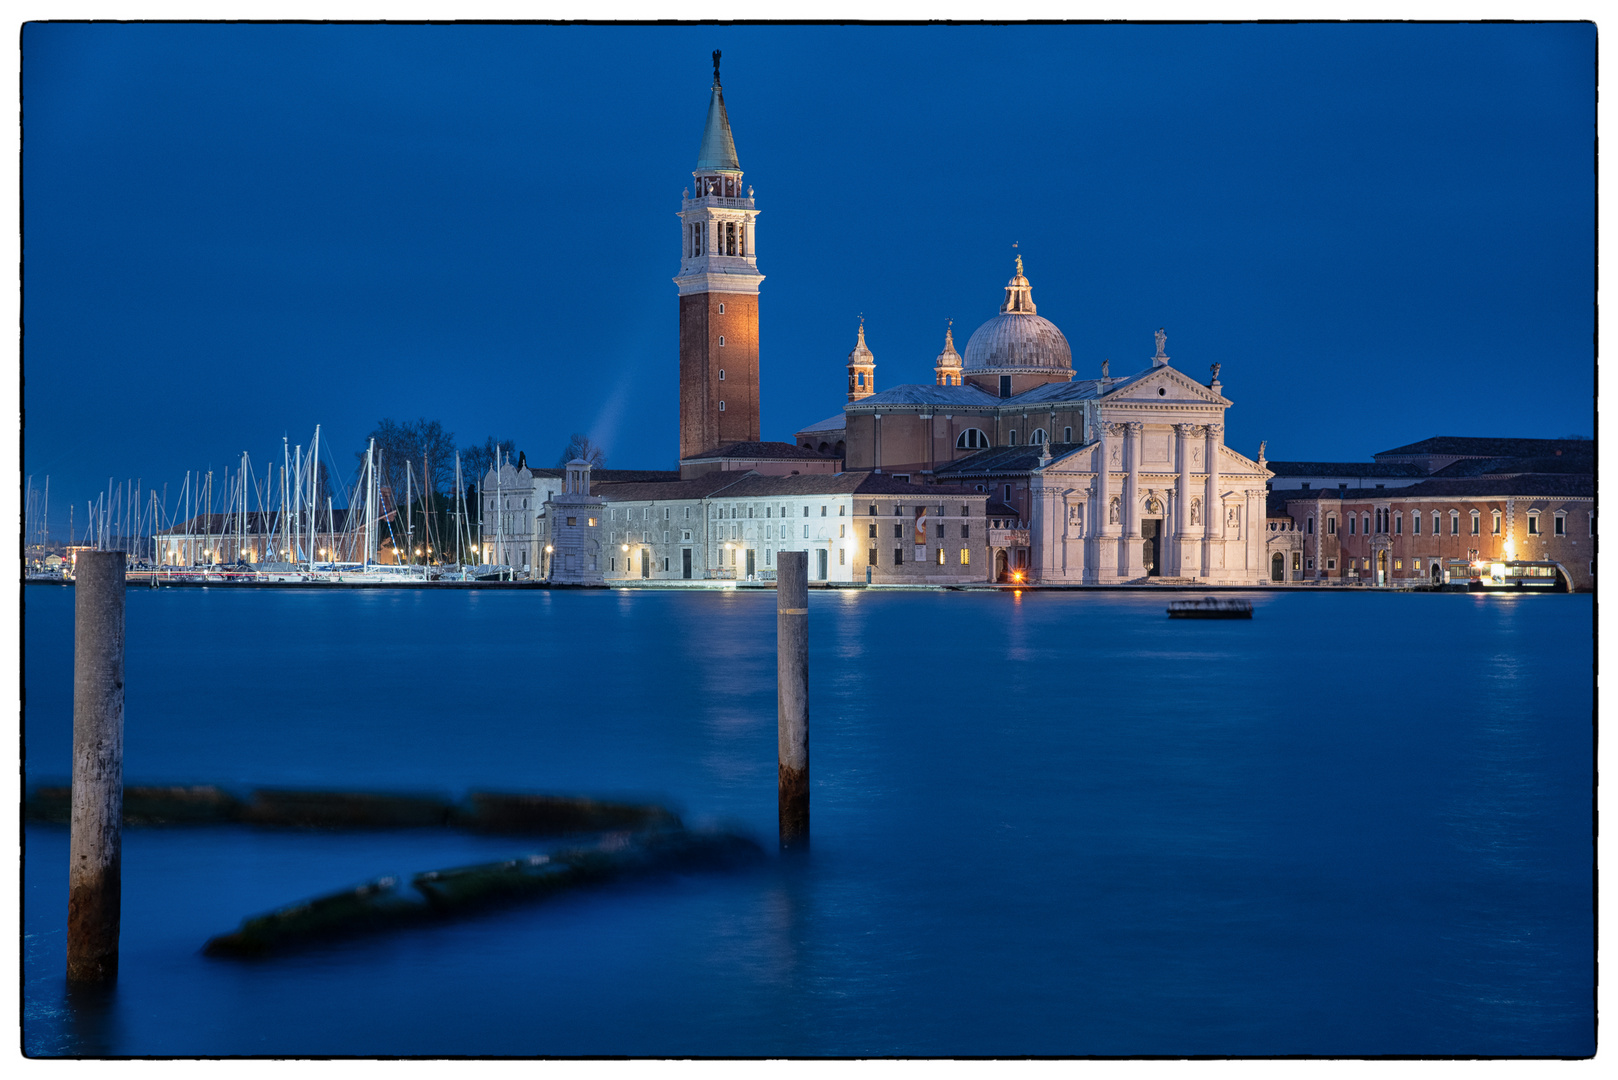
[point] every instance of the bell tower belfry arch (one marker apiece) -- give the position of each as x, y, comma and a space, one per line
718, 285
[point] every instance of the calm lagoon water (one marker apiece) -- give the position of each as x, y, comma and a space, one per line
1043, 824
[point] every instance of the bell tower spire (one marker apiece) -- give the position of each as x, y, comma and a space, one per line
948, 365
861, 368
718, 285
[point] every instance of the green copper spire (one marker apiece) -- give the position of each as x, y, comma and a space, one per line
718, 148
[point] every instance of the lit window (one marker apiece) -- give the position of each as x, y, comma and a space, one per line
966, 557
940, 556
1496, 527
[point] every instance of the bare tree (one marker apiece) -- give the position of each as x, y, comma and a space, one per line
580, 446
424, 444
476, 461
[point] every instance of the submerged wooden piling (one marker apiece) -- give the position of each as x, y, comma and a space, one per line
98, 767
792, 695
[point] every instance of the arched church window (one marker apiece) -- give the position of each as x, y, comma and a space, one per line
721, 339
1013, 437
721, 374
721, 406
1038, 438
972, 439
721, 309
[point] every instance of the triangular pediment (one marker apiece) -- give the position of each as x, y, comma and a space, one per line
1180, 387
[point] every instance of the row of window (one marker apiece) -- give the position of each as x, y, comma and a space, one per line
975, 439
1365, 523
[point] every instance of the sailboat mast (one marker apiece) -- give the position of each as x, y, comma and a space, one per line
370, 502
314, 512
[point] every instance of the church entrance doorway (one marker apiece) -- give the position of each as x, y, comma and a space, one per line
820, 557
1000, 565
1438, 575
1382, 568
685, 563
1151, 546
750, 556
1278, 567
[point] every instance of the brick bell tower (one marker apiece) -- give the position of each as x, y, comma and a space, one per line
718, 283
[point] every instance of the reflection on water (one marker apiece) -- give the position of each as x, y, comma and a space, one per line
1043, 824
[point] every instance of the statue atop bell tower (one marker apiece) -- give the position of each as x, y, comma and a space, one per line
718, 286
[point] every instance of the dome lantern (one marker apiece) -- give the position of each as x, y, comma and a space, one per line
1017, 342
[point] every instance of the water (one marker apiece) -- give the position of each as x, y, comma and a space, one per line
1043, 824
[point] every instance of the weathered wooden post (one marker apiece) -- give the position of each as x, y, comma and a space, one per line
98, 767
792, 695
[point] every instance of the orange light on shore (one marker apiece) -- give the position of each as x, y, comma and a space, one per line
1016, 575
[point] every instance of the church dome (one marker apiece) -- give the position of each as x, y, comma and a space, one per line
1017, 339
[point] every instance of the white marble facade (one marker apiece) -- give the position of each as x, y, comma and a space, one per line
1156, 494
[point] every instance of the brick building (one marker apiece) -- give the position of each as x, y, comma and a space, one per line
1409, 535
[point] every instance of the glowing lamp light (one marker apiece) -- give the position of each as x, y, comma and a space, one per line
549, 549
624, 546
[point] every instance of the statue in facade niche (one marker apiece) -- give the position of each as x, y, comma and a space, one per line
1196, 511
1112, 513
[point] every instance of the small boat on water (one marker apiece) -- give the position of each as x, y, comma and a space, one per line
1211, 608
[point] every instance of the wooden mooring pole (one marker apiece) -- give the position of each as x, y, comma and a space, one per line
792, 695
98, 767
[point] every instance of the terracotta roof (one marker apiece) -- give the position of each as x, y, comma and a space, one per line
1526, 485
1345, 468
754, 485
699, 487
1007, 459
1580, 459
759, 451
1483, 446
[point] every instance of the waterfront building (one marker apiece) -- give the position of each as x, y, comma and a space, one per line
1410, 535
1112, 479
574, 516
856, 527
262, 537
1477, 499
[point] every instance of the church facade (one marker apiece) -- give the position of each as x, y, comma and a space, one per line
1112, 480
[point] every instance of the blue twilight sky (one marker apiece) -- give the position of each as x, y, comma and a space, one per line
1383, 232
